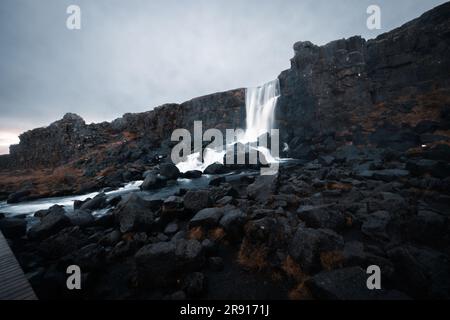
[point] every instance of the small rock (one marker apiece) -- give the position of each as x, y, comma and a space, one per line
215, 168
192, 174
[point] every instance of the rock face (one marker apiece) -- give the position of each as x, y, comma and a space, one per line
347, 89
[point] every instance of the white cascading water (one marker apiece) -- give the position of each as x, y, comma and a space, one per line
260, 103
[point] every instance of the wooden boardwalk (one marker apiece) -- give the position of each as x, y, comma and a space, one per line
13, 283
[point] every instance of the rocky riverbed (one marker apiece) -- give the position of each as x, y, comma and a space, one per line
310, 231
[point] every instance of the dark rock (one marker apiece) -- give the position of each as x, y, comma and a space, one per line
55, 209
81, 218
195, 200
421, 272
307, 245
111, 238
171, 228
192, 174
438, 169
152, 181
49, 224
13, 228
172, 207
169, 170
388, 175
232, 222
341, 284
439, 152
18, 196
114, 201
263, 188
133, 213
98, 202
327, 160
160, 263
224, 201
428, 227
376, 225
215, 168
425, 126
321, 216
78, 203
208, 217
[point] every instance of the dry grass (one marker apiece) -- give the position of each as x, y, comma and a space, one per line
196, 233
331, 260
300, 292
217, 234
252, 257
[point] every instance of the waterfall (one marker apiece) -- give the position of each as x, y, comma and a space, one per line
260, 104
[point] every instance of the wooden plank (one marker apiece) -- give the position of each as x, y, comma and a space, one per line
13, 283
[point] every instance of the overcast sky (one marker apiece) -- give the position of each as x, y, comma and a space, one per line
134, 55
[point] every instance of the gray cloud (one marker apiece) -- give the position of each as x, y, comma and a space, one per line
133, 55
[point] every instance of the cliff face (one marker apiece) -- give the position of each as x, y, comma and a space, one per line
71, 138
353, 90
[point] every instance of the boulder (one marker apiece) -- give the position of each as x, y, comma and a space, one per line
172, 207
152, 181
56, 209
208, 217
169, 170
98, 202
192, 174
321, 216
215, 168
49, 224
195, 200
375, 226
81, 218
307, 245
133, 213
263, 188
160, 264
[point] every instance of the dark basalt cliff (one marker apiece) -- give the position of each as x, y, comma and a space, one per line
349, 89
376, 92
